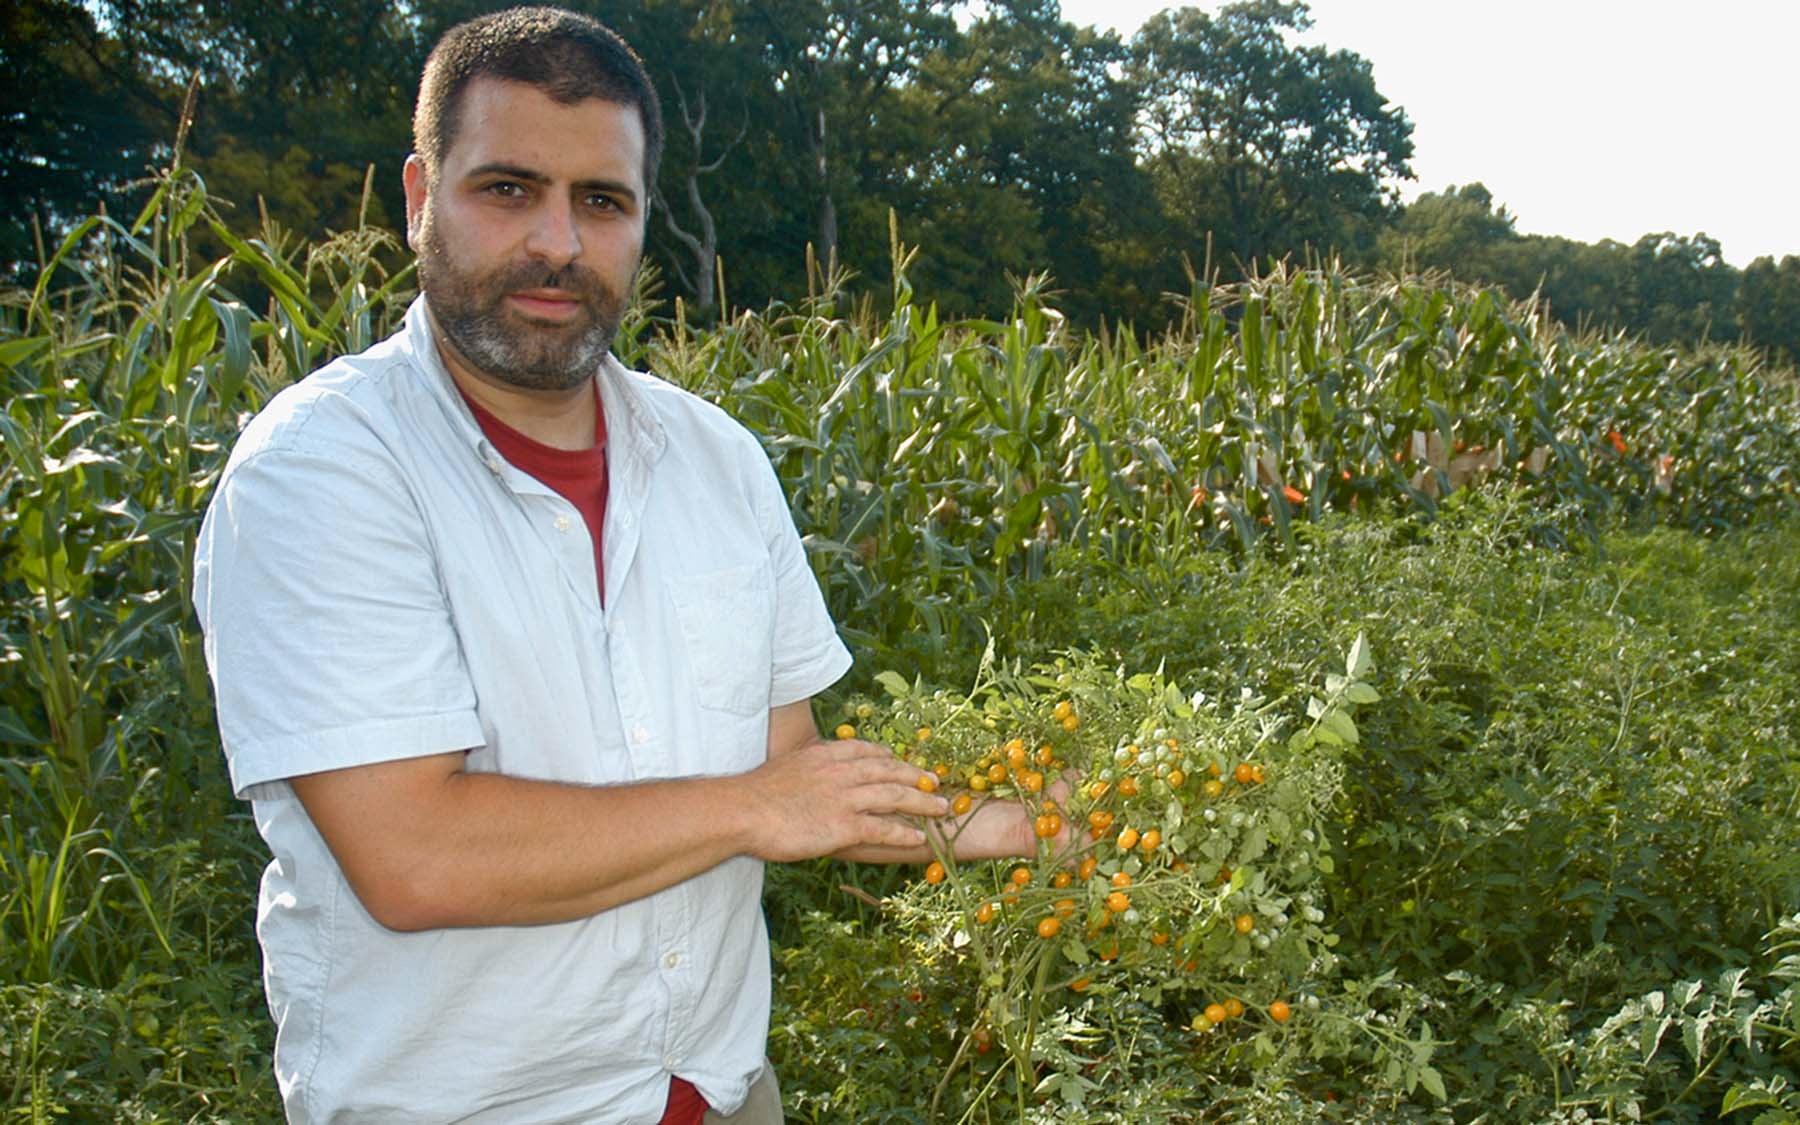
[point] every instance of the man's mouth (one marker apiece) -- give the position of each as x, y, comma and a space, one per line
546, 304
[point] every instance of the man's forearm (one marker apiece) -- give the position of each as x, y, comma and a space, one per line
426, 845
482, 849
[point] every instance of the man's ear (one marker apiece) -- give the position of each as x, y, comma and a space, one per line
417, 181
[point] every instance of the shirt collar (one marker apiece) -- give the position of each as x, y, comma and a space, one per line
631, 423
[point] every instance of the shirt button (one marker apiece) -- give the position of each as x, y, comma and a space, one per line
671, 960
670, 1062
564, 523
639, 735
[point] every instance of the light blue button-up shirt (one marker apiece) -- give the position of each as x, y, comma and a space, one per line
375, 582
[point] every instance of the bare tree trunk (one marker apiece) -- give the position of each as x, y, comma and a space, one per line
828, 228
702, 246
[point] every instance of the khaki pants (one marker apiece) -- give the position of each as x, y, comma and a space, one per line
762, 1107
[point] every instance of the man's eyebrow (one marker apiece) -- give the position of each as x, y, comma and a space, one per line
510, 171
520, 172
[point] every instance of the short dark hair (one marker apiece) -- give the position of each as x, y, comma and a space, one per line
568, 56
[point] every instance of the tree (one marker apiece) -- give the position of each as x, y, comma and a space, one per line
294, 101
1456, 230
1682, 288
1584, 283
1768, 306
1273, 145
1011, 146
80, 120
298, 101
836, 63
702, 243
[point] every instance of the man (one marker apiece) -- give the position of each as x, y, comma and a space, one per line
514, 650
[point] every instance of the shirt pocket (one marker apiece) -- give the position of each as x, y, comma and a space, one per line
727, 620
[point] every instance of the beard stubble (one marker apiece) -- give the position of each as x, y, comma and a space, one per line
470, 309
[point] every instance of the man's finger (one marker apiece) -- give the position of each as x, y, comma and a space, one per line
887, 769
890, 832
914, 802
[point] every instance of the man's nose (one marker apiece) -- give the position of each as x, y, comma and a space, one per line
554, 238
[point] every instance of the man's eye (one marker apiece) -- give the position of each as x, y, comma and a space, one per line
506, 190
602, 202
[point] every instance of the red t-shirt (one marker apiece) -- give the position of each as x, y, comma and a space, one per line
686, 1106
577, 475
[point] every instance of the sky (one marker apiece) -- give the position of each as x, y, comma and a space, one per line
1589, 119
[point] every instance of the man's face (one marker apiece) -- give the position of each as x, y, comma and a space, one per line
530, 233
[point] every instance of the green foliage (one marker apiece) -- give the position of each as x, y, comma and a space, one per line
125, 864
1578, 791
1563, 878
1011, 142
1664, 288
1768, 304
928, 458
92, 125
1177, 885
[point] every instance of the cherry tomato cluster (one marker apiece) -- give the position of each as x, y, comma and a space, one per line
1172, 849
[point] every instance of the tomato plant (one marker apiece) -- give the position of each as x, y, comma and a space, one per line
1174, 893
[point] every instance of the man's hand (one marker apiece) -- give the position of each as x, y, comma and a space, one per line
823, 798
998, 828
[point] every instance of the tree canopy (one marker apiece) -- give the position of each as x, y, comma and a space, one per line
1005, 140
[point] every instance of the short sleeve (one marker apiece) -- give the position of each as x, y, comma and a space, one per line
808, 654
327, 632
